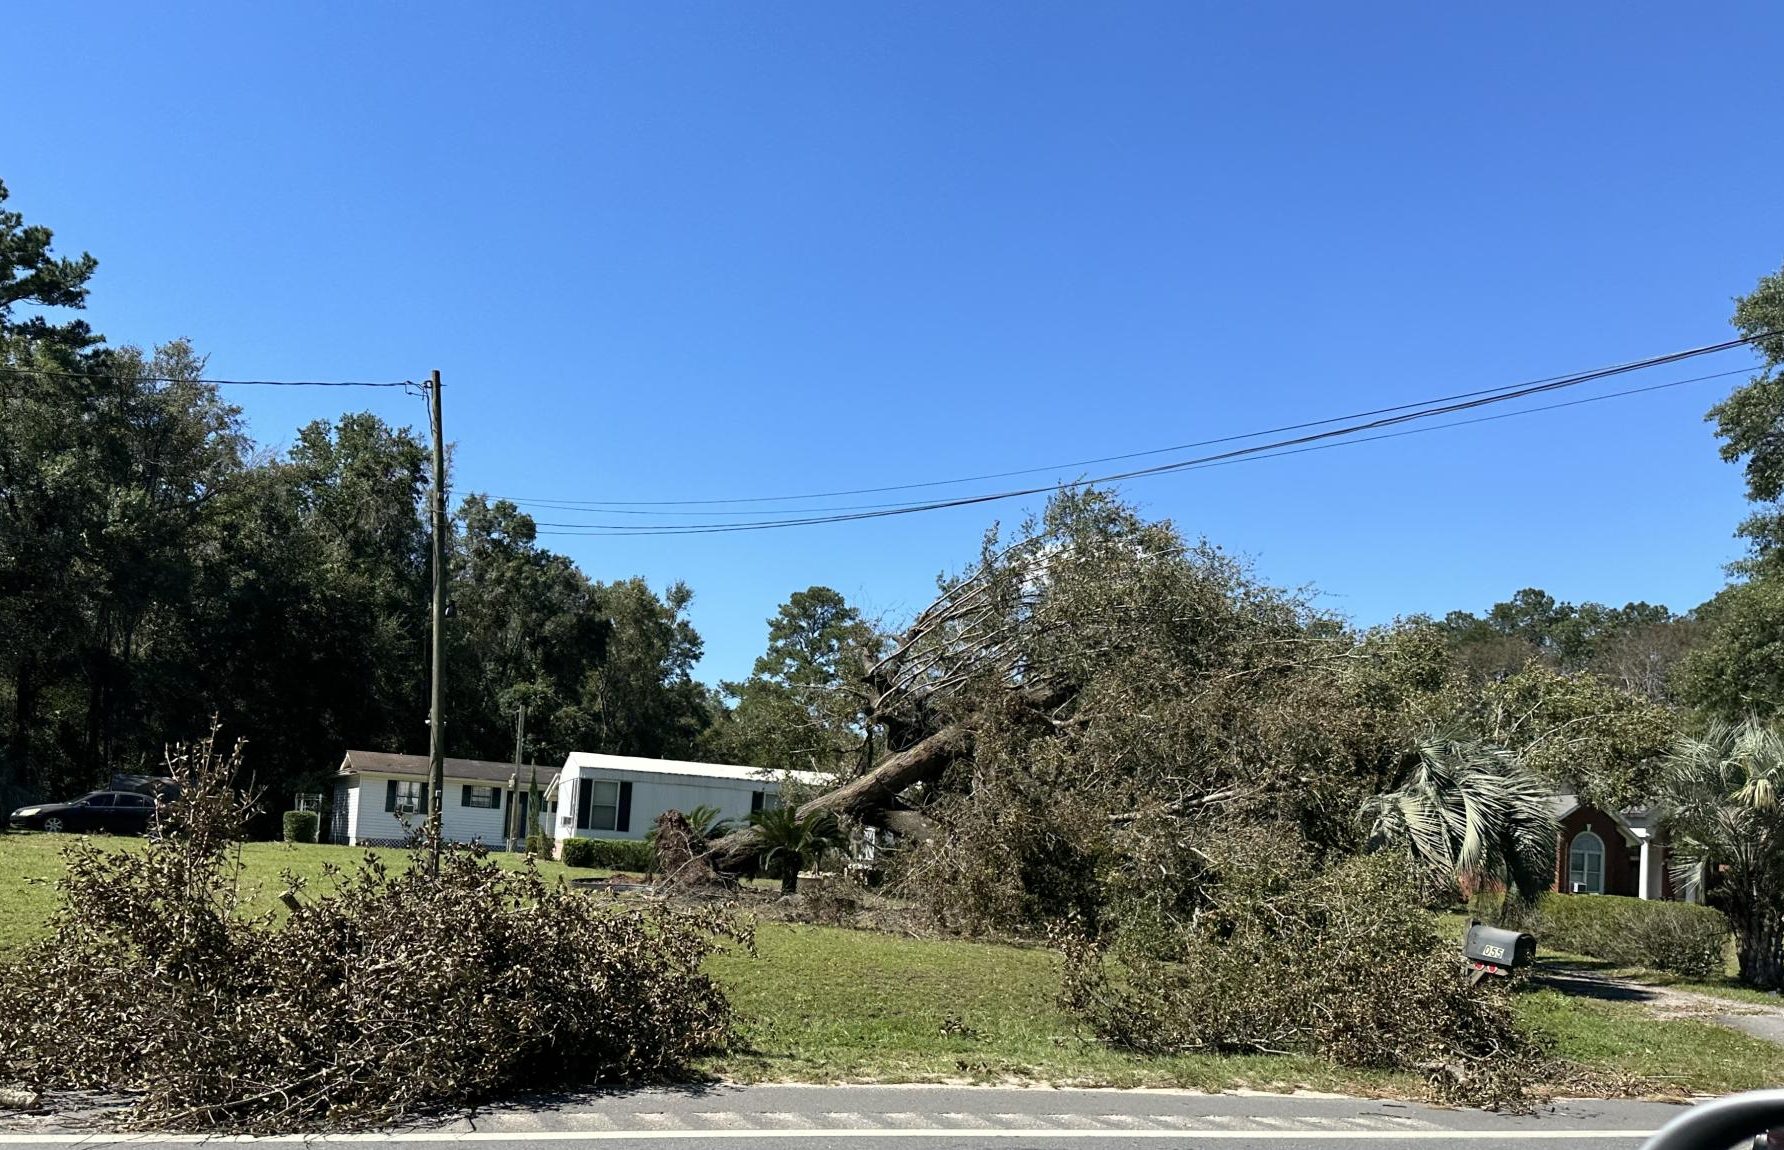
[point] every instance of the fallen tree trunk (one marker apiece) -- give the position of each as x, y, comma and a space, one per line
873, 799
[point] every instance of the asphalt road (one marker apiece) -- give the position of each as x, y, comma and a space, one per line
919, 1117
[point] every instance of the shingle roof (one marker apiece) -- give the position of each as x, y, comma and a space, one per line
383, 763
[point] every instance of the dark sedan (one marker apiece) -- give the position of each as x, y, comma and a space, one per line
118, 812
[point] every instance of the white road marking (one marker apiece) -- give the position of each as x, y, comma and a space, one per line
1434, 1135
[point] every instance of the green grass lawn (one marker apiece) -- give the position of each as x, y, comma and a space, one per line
826, 1004
31, 863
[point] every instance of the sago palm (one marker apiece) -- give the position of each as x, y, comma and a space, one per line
1462, 807
787, 842
1722, 795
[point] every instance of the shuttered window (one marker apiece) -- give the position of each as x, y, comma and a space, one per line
486, 798
603, 805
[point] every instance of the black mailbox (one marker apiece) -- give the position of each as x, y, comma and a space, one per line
1490, 950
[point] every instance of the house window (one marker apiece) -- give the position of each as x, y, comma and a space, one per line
488, 798
597, 805
763, 801
1585, 864
402, 797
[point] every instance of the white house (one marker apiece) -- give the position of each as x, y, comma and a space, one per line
620, 796
378, 798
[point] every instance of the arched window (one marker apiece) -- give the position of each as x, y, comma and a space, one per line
1585, 863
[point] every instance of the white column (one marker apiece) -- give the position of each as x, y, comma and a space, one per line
1645, 889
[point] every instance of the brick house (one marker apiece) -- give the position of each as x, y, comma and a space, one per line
1611, 852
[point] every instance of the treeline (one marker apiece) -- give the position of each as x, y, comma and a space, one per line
158, 567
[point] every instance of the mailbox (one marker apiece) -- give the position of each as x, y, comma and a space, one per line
1490, 950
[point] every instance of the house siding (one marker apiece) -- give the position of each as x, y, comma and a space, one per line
370, 824
653, 794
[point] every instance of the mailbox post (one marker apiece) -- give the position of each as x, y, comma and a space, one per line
1488, 950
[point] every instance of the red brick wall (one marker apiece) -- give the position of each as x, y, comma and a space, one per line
1620, 859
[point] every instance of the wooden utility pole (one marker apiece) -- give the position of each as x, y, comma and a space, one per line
436, 724
520, 738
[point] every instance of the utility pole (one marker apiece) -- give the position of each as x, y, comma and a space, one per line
436, 741
520, 738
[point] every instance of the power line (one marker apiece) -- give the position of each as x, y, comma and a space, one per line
613, 505
1264, 450
100, 375
1365, 439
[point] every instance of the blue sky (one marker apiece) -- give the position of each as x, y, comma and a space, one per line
671, 251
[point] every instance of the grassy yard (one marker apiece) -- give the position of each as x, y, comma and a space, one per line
31, 863
825, 1004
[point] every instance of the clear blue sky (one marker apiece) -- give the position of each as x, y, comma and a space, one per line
667, 251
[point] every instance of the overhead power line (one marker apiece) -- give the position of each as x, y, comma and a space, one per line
217, 382
1276, 447
614, 504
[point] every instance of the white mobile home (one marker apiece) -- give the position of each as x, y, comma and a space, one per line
379, 797
620, 797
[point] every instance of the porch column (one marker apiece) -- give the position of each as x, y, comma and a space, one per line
1645, 880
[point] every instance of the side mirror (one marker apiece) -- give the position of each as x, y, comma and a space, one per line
1490, 950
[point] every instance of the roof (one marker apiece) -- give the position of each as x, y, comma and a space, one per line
383, 763
589, 759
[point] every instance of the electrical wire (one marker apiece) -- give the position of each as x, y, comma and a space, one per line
1265, 450
217, 382
612, 505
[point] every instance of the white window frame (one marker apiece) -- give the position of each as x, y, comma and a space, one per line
596, 807
1585, 863
408, 797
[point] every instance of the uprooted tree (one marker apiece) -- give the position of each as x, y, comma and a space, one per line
1079, 723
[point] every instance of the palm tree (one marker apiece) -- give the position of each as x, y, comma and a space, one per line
1722, 796
786, 841
1463, 807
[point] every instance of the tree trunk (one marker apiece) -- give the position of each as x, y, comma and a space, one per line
24, 712
1761, 950
790, 876
871, 799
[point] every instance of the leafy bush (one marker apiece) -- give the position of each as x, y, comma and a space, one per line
539, 845
613, 854
301, 826
397, 993
1342, 963
1680, 937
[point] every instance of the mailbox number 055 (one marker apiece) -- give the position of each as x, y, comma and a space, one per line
1493, 951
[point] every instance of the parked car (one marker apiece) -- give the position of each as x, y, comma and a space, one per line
118, 812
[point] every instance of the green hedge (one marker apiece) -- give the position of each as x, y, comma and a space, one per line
1680, 937
301, 826
614, 854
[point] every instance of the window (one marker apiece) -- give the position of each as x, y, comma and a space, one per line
137, 801
597, 805
402, 797
602, 805
1585, 864
97, 799
488, 798
763, 801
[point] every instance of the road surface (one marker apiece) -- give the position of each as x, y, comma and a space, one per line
924, 1117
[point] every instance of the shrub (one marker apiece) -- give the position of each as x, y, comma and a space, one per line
1679, 937
539, 846
613, 854
301, 826
1342, 963
397, 993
